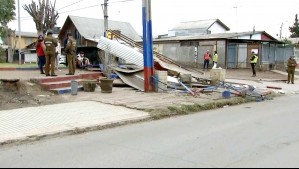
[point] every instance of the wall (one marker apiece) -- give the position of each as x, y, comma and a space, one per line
185, 55
25, 41
217, 28
181, 54
254, 37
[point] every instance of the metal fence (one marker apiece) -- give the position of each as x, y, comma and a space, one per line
276, 54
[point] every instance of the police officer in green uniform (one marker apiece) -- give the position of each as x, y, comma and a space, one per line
51, 44
253, 61
70, 50
292, 64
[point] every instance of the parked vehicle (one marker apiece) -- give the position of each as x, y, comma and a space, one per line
62, 60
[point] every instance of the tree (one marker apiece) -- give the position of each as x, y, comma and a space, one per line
44, 15
295, 28
7, 14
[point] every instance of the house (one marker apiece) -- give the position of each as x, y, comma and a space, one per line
87, 31
202, 27
234, 49
27, 39
295, 42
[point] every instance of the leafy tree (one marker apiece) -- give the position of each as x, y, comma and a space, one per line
7, 14
295, 28
44, 15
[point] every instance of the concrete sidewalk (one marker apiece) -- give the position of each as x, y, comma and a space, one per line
32, 123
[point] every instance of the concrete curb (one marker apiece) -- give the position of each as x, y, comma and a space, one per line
22, 69
68, 129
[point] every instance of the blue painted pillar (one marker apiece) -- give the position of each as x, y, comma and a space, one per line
148, 47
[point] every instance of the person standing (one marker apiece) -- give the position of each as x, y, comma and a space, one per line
215, 58
207, 58
292, 64
253, 60
57, 55
41, 53
51, 44
70, 51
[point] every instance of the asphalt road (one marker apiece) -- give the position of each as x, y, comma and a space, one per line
264, 134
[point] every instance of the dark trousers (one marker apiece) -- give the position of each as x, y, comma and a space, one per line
291, 75
253, 65
206, 64
41, 63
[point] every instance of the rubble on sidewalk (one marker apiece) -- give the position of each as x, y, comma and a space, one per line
177, 79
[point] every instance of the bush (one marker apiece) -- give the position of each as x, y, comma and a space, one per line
2, 55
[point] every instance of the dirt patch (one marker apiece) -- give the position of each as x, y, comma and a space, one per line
24, 94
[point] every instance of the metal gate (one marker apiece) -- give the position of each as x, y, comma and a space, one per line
232, 59
242, 56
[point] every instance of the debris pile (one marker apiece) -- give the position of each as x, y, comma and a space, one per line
177, 78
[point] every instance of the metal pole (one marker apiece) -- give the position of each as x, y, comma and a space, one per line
106, 35
148, 47
19, 21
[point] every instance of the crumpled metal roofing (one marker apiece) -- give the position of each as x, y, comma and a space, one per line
124, 52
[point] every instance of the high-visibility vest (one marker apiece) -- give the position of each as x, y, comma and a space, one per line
254, 59
215, 58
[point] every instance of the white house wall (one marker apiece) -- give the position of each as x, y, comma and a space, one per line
217, 28
254, 37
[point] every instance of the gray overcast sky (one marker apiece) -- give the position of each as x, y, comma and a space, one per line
239, 15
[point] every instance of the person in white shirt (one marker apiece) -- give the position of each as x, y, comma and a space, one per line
58, 54
79, 60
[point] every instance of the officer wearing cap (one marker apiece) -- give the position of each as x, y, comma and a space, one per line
51, 44
70, 51
292, 64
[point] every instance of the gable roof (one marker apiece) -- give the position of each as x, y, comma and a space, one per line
202, 24
91, 28
218, 36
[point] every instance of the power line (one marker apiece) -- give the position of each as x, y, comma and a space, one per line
88, 7
70, 5
120, 1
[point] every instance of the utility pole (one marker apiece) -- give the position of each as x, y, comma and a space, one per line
237, 28
148, 47
19, 22
280, 35
106, 34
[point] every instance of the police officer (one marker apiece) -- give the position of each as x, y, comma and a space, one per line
292, 64
70, 51
51, 44
253, 60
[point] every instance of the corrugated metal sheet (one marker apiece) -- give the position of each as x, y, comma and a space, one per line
94, 28
135, 80
124, 52
212, 36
